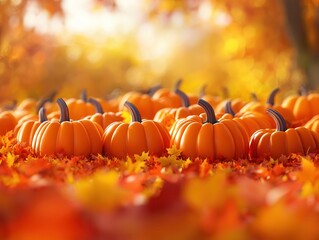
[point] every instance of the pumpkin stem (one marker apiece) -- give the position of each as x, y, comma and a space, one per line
64, 110
136, 116
225, 92
271, 97
229, 109
254, 96
98, 107
303, 91
281, 124
178, 84
184, 97
42, 115
84, 96
153, 89
210, 113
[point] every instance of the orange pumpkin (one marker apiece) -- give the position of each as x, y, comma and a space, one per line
122, 139
168, 116
103, 118
257, 106
147, 106
313, 124
282, 140
303, 107
251, 121
212, 100
7, 122
80, 108
79, 137
212, 139
27, 129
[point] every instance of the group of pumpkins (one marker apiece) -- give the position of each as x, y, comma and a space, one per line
203, 126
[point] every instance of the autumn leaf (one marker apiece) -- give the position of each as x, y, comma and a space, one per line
101, 191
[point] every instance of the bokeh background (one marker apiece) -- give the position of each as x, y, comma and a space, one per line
109, 47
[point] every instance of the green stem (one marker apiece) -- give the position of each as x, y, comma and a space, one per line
281, 124
64, 111
184, 97
271, 97
136, 116
98, 107
229, 109
42, 115
210, 113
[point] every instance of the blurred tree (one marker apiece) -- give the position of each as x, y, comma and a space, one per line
242, 45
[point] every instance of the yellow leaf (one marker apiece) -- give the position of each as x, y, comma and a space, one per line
308, 171
101, 191
171, 161
174, 151
141, 158
10, 159
135, 166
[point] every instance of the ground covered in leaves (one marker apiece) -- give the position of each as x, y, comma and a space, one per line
147, 197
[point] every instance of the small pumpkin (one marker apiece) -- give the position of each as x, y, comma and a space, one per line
169, 115
27, 129
78, 137
257, 106
211, 99
103, 118
147, 105
171, 97
212, 139
121, 139
303, 106
7, 122
80, 108
282, 140
251, 121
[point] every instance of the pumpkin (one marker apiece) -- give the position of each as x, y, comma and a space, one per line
121, 139
313, 124
236, 103
251, 121
27, 129
78, 137
303, 106
103, 118
171, 97
7, 122
257, 106
147, 106
80, 108
212, 139
282, 140
212, 100
168, 116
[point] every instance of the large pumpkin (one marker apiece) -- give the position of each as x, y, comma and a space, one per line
212, 139
282, 140
121, 139
79, 137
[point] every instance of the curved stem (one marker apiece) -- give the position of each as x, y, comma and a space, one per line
281, 124
154, 89
84, 96
42, 103
64, 111
229, 109
178, 84
42, 115
271, 97
184, 97
254, 96
210, 113
136, 116
303, 91
98, 107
